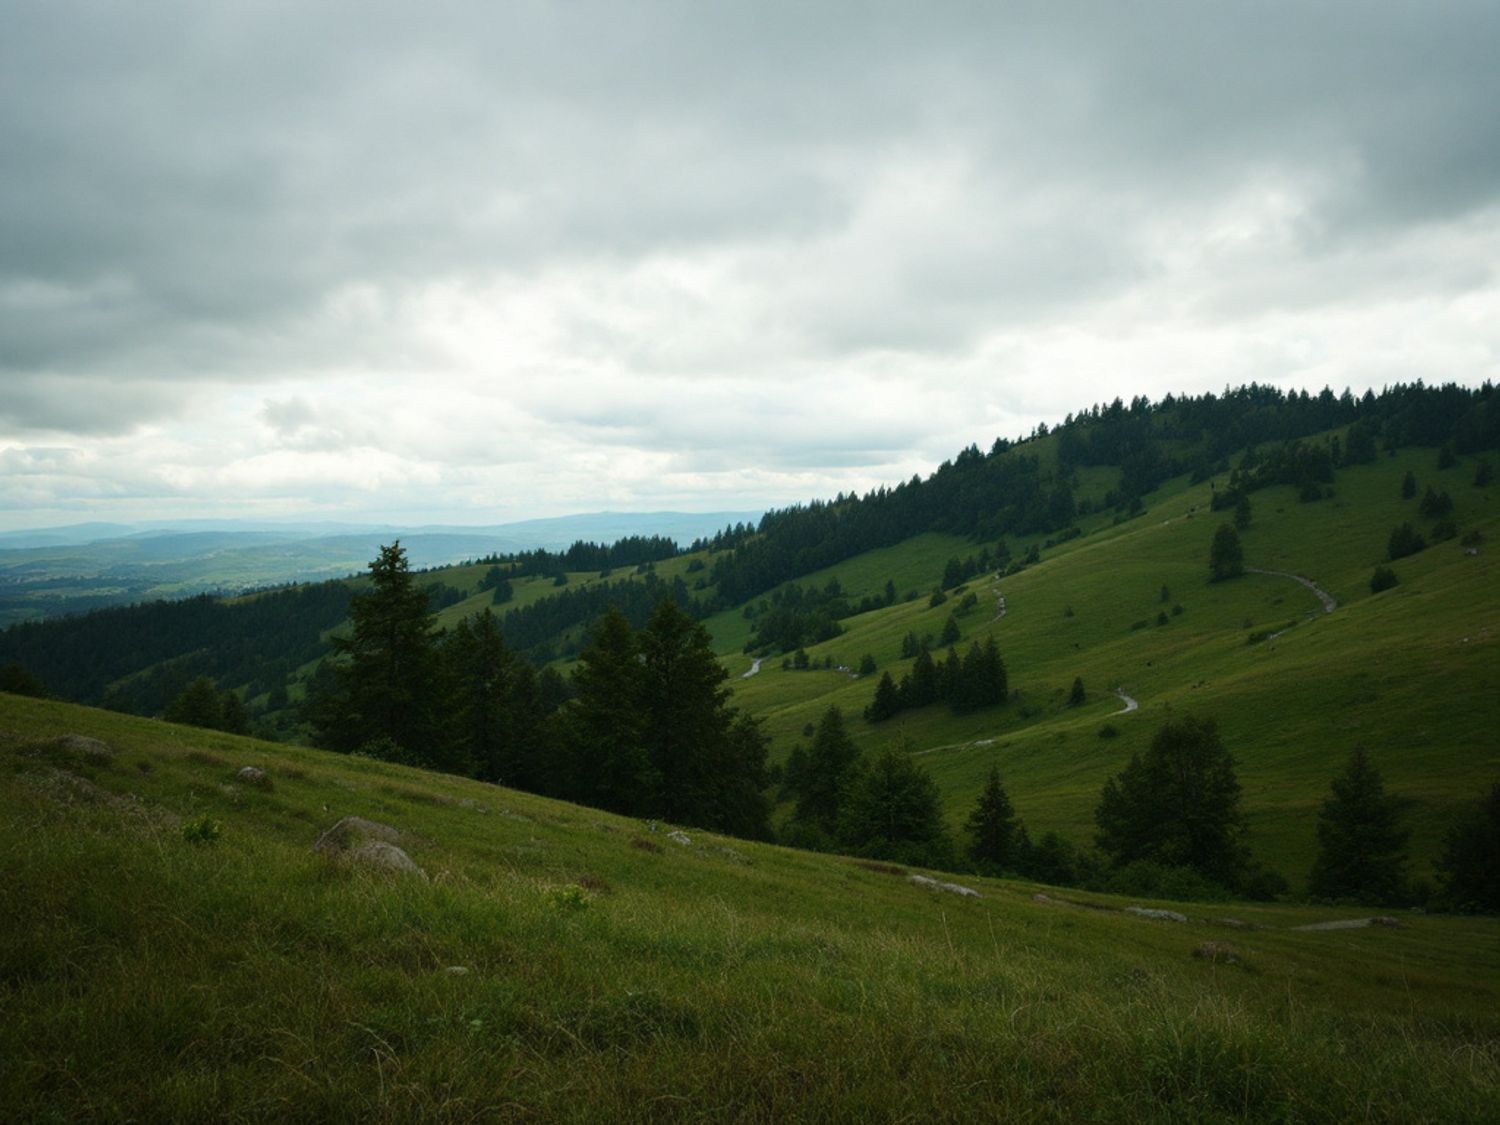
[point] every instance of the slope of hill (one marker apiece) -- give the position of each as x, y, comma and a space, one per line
1408, 673
558, 962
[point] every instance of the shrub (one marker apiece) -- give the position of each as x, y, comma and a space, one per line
1404, 541
200, 830
1383, 579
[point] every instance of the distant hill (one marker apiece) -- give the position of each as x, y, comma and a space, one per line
56, 571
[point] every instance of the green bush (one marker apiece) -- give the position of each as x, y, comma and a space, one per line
200, 830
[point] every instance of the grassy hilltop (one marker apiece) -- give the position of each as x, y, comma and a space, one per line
562, 963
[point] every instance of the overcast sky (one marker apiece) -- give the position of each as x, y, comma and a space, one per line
474, 262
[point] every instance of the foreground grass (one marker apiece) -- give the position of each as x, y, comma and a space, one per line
567, 964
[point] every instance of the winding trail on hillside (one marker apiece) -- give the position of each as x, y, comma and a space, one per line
1330, 603
1130, 704
754, 668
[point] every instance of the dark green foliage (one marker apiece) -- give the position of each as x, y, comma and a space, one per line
892, 812
937, 599
1226, 557
1241, 511
494, 710
867, 665
1408, 485
968, 602
19, 680
950, 634
387, 673
826, 774
1405, 540
200, 704
704, 765
1435, 504
1178, 804
1444, 530
795, 616
887, 701
991, 828
1446, 457
531, 628
1361, 844
1166, 594
1469, 868
1076, 695
1483, 473
1383, 579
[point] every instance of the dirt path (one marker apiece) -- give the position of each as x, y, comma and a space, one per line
999, 602
1130, 704
1330, 603
754, 668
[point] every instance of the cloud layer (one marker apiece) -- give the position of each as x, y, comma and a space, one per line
477, 262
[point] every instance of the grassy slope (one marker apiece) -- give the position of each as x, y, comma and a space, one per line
1410, 673
142, 977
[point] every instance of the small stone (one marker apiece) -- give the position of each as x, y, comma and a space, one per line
351, 831
253, 775
1387, 921
377, 853
457, 970
679, 837
1159, 915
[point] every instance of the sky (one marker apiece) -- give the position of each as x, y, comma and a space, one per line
471, 262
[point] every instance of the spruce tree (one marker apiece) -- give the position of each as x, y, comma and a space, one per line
607, 723
1361, 843
991, 827
1178, 804
886, 702
893, 812
1469, 868
1226, 558
826, 773
388, 684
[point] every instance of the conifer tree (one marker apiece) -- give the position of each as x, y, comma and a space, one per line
886, 702
893, 812
826, 773
608, 722
387, 670
1360, 840
991, 827
1178, 804
1226, 558
1469, 868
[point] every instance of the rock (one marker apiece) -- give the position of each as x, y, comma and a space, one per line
1159, 915
90, 749
378, 853
936, 885
1387, 921
457, 970
1217, 954
253, 775
679, 837
1039, 897
353, 831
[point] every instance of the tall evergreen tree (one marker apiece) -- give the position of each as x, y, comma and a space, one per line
893, 812
1226, 558
827, 772
1469, 868
991, 827
481, 674
1360, 840
1178, 804
388, 676
608, 721
886, 702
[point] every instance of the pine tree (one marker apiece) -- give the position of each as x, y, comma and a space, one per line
1469, 868
1360, 841
387, 669
1076, 695
197, 705
826, 773
991, 827
1226, 558
950, 634
1178, 804
893, 812
886, 702
480, 674
607, 722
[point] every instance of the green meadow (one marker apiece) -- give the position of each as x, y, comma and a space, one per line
173, 949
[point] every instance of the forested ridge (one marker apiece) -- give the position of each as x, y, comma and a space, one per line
137, 658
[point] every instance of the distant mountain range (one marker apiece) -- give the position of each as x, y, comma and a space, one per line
46, 572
